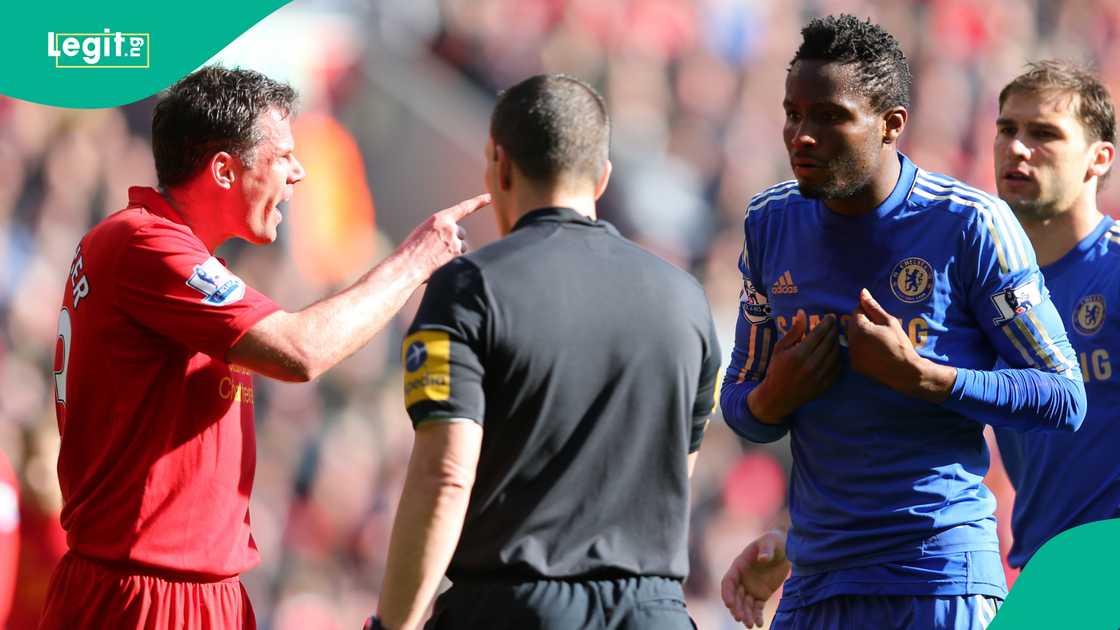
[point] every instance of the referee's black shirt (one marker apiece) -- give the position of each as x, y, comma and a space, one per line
591, 365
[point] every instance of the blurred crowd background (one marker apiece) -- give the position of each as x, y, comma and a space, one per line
396, 98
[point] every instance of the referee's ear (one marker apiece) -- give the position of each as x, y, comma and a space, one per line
504, 166
601, 187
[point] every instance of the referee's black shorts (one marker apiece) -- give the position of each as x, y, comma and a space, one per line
630, 603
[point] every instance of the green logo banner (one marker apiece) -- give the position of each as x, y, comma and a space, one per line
84, 54
1070, 583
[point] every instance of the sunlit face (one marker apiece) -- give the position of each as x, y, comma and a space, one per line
1042, 154
833, 136
270, 179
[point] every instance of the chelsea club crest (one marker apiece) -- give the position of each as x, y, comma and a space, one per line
912, 280
1088, 316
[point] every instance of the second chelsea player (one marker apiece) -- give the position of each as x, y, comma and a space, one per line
1055, 142
877, 299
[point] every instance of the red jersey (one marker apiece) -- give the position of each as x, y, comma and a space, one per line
9, 536
158, 448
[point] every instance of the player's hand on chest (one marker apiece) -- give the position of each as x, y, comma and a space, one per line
909, 290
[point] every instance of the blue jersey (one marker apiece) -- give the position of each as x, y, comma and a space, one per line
885, 493
1064, 480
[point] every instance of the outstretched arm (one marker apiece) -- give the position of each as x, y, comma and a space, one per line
302, 345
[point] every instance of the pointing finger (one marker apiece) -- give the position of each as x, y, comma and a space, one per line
464, 208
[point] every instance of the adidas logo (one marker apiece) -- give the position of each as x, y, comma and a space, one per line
784, 285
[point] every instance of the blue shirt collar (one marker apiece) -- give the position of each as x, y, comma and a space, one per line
1081, 250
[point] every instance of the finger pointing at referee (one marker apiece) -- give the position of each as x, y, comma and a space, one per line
439, 239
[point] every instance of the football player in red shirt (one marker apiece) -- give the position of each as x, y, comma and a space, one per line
9, 536
157, 340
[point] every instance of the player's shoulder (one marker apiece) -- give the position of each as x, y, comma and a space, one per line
1109, 243
774, 200
1110, 238
134, 239
137, 222
951, 196
986, 221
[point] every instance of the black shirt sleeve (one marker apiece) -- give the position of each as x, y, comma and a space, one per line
442, 353
706, 393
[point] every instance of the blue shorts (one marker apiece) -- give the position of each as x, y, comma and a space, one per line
890, 612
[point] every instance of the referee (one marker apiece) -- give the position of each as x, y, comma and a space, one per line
559, 381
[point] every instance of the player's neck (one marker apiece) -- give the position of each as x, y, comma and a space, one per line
1054, 238
198, 213
875, 193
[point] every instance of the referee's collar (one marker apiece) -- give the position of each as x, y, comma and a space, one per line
553, 214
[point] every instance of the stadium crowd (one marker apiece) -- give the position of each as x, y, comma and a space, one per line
692, 86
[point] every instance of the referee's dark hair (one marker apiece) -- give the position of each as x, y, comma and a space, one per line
553, 127
212, 109
881, 67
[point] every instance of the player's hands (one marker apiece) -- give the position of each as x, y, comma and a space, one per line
880, 349
802, 365
439, 239
754, 576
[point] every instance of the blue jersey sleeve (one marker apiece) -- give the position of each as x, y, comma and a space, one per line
1042, 387
755, 336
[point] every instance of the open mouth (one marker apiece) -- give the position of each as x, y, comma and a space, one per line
1016, 176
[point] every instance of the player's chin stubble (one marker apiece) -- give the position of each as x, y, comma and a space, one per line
1033, 209
844, 179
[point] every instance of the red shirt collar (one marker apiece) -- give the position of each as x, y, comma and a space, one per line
154, 202
151, 200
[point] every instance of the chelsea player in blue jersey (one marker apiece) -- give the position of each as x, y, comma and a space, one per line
1055, 142
877, 299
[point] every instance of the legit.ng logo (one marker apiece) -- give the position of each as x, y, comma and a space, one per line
105, 50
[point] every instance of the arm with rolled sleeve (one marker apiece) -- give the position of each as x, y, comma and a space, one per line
1042, 387
444, 397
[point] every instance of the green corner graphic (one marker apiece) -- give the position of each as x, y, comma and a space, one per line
1070, 583
104, 54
